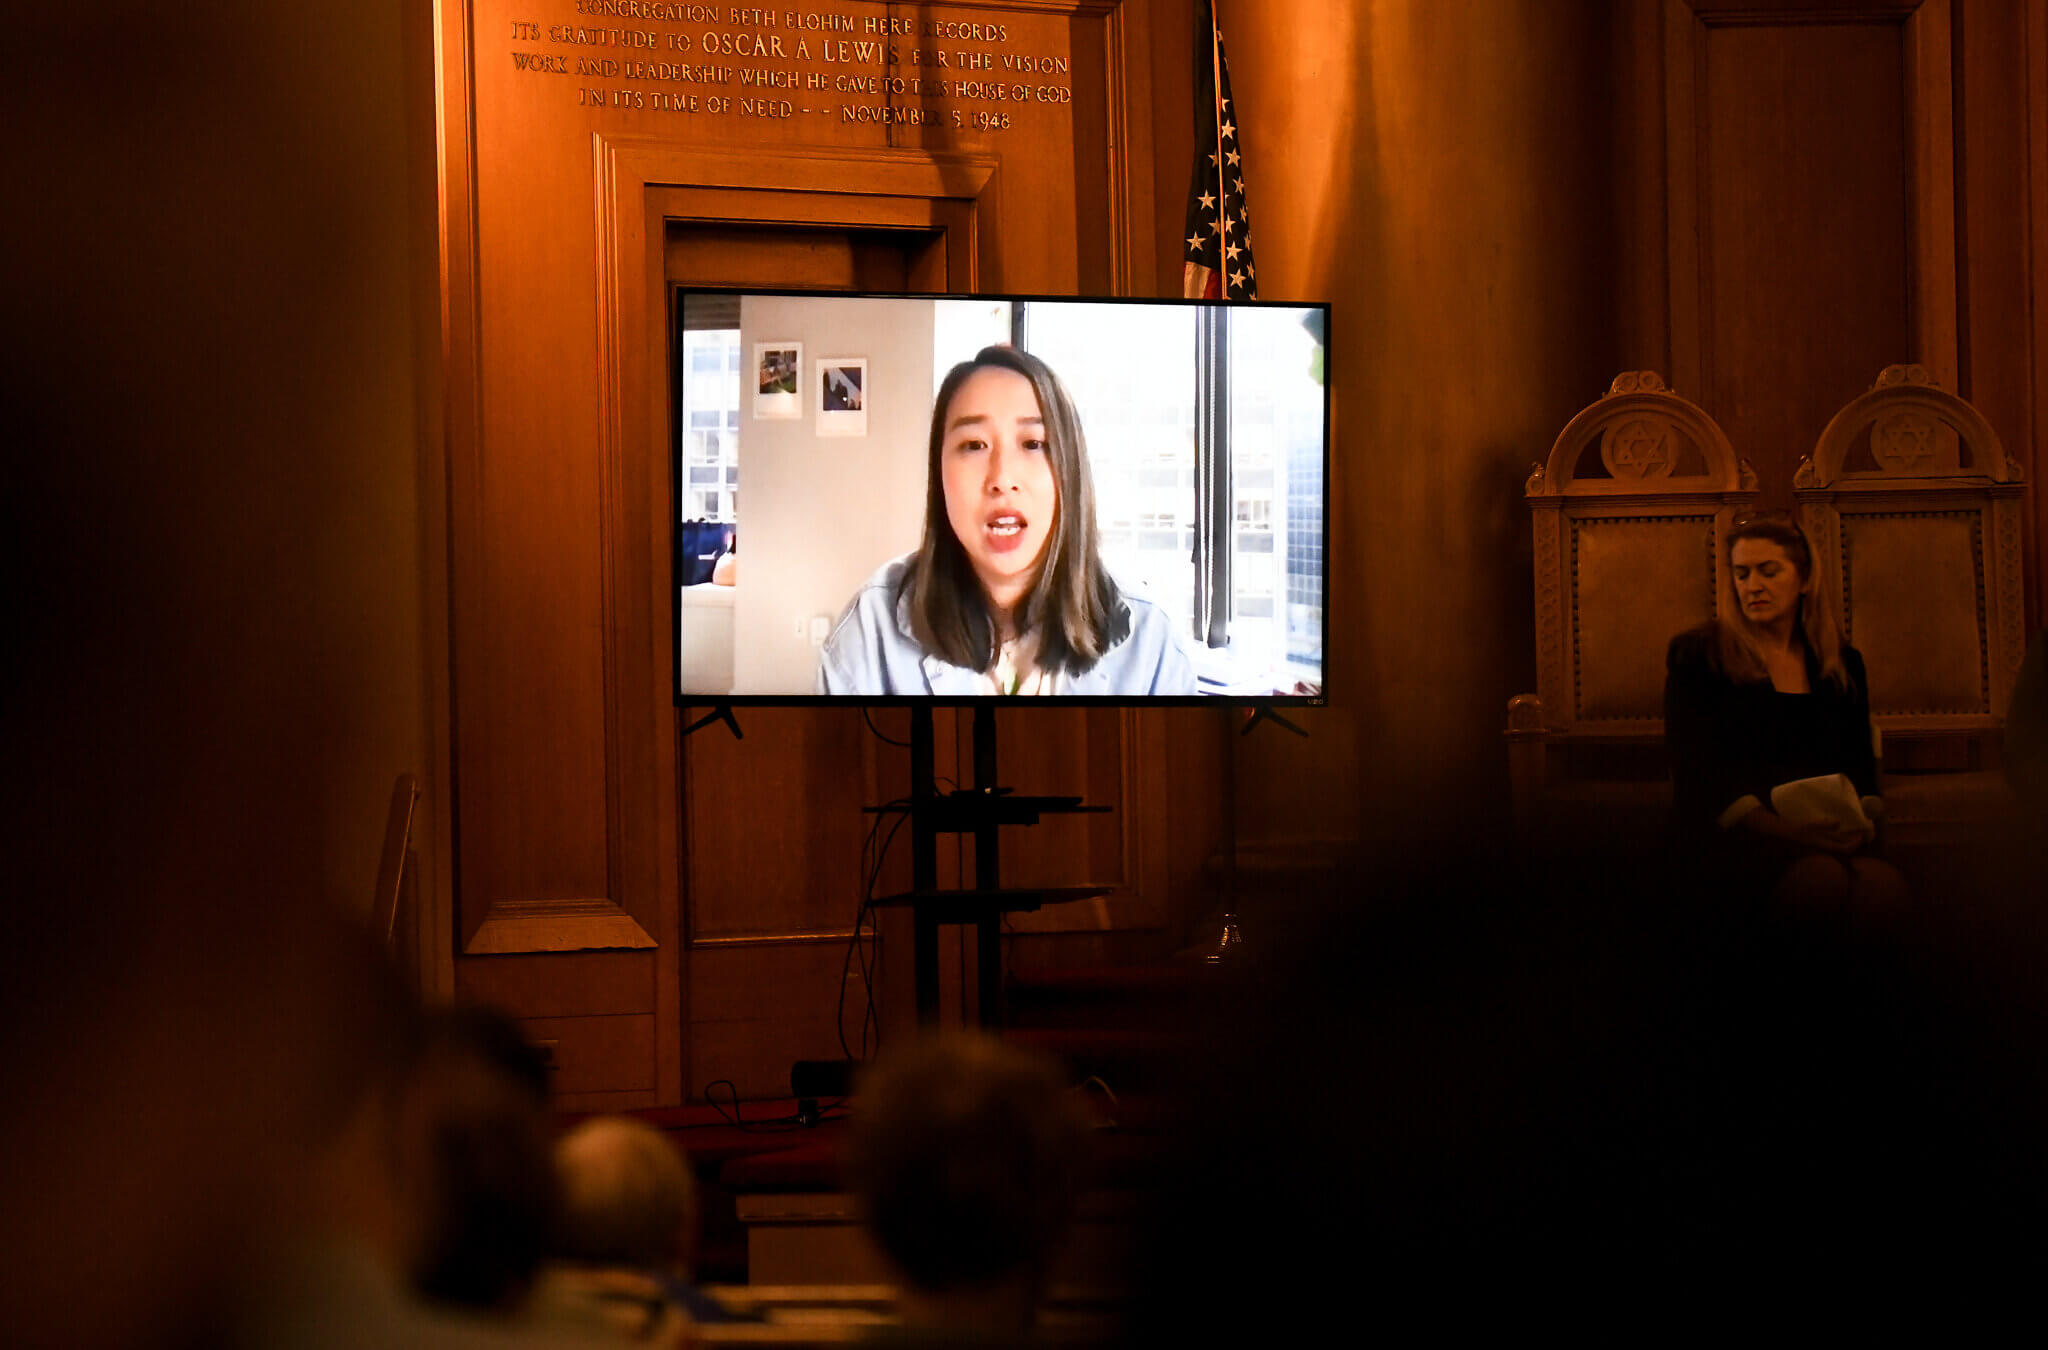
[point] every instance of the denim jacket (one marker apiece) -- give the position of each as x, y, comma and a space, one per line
872, 650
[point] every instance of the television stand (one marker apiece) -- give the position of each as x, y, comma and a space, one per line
1265, 712
721, 713
980, 810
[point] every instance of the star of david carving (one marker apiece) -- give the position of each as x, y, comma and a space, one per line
1640, 449
1906, 442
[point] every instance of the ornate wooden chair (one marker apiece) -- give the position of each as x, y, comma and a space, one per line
1627, 514
1915, 511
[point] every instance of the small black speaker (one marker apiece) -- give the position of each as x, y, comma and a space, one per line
811, 1079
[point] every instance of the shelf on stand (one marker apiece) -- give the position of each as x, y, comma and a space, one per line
980, 810
969, 905
984, 909
966, 811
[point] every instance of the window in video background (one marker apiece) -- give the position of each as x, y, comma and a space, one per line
711, 433
960, 328
1132, 372
1276, 449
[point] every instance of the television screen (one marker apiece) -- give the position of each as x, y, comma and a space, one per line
898, 498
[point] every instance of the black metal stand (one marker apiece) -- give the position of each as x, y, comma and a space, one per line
1265, 713
981, 810
721, 713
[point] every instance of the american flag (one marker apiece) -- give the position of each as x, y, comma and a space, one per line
1219, 238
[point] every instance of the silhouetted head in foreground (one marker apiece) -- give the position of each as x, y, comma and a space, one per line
966, 1155
477, 1112
627, 1197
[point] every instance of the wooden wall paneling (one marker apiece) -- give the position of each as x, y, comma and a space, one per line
1808, 181
2026, 448
570, 984
1153, 819
537, 745
834, 241
1645, 258
1195, 844
522, 882
1171, 29
753, 1009
773, 825
443, 163
1684, 54
1931, 188
1100, 193
609, 1054
873, 259
1128, 87
586, 993
461, 326
762, 989
1996, 276
1973, 200
562, 754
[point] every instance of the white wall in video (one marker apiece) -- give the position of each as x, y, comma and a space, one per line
822, 552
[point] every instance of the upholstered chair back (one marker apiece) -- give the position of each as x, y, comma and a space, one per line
1915, 511
1628, 514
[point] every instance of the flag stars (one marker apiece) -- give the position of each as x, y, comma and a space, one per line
1219, 250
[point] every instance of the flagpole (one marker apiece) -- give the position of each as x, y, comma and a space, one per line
1229, 943
1222, 197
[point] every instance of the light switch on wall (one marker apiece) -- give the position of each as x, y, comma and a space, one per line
821, 628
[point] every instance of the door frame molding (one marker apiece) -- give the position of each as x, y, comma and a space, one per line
640, 183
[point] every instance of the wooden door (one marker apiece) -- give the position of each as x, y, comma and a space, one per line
774, 838
801, 257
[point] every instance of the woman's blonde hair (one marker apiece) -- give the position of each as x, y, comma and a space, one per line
1816, 621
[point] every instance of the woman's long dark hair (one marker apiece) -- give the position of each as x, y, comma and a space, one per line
1073, 605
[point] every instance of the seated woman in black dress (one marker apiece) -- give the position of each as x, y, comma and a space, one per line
1771, 697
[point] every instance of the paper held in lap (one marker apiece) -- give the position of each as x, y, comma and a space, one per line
1830, 799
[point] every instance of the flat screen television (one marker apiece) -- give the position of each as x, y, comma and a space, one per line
1158, 535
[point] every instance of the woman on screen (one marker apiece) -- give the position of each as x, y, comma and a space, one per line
1007, 593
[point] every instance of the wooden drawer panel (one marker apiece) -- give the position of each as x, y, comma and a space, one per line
598, 1054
